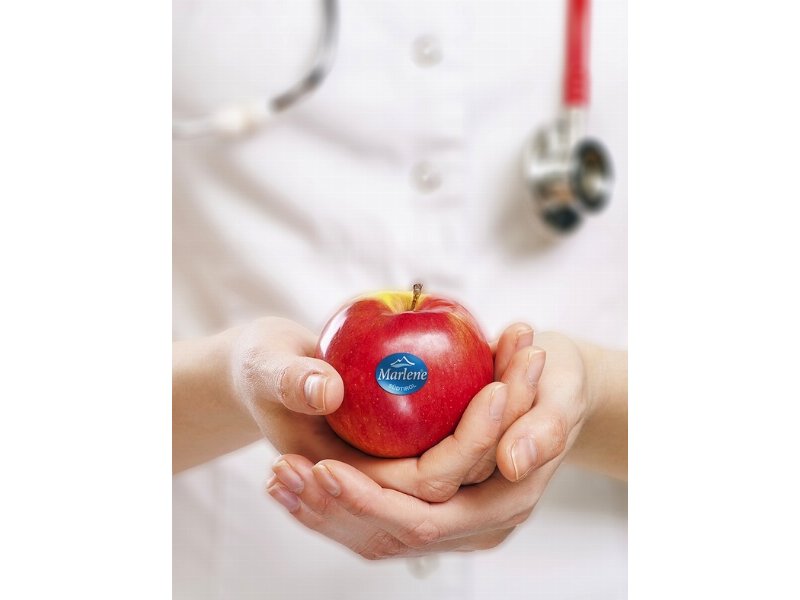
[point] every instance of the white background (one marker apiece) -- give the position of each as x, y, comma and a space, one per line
85, 303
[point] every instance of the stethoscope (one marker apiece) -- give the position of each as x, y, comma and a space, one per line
567, 174
238, 119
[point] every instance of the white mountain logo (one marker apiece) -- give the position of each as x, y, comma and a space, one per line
402, 362
402, 375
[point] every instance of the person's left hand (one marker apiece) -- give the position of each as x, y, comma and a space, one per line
344, 504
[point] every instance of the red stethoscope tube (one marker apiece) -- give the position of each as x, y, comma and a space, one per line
576, 64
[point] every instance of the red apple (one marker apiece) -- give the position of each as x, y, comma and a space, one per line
410, 363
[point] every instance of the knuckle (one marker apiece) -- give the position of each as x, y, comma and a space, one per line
247, 366
393, 548
481, 471
556, 430
283, 384
519, 404
250, 364
518, 518
360, 507
325, 505
436, 490
422, 535
476, 447
381, 545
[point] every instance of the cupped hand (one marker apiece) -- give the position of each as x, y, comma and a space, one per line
287, 392
343, 504
548, 430
376, 521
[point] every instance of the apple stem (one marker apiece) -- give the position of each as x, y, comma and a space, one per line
417, 291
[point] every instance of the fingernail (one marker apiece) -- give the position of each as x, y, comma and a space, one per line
524, 339
497, 404
288, 476
523, 456
535, 366
286, 498
315, 391
327, 480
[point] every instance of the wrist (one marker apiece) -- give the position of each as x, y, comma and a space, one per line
204, 368
593, 359
207, 417
226, 351
602, 444
607, 379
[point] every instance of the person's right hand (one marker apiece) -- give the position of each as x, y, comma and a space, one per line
287, 392
272, 366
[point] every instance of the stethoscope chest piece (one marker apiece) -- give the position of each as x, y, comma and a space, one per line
567, 175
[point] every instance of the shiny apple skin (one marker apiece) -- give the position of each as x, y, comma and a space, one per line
439, 331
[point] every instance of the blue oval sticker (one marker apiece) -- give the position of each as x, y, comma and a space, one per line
401, 373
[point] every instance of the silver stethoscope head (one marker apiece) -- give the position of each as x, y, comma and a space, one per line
567, 174
244, 117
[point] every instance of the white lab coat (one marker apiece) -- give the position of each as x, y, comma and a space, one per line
395, 170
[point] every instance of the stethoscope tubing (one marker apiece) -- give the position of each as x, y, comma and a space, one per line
243, 117
575, 92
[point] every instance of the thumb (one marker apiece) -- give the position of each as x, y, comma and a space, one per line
533, 440
275, 366
302, 384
